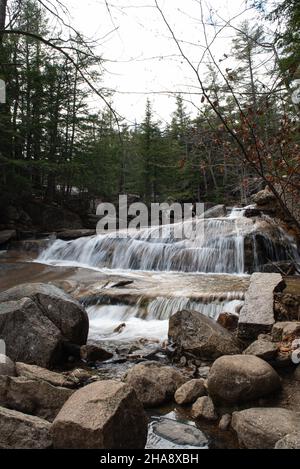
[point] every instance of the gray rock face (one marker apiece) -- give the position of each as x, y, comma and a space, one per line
102, 415
264, 349
199, 335
20, 431
36, 320
241, 378
179, 434
290, 441
7, 235
7, 366
41, 374
190, 391
204, 408
154, 383
60, 308
261, 428
257, 314
32, 397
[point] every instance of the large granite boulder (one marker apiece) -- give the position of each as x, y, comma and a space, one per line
241, 378
257, 315
32, 397
196, 334
34, 372
262, 348
261, 428
37, 321
102, 415
154, 383
21, 431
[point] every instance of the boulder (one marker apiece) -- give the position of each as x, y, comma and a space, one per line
28, 334
196, 334
261, 428
257, 314
286, 330
74, 234
41, 374
177, 434
190, 391
7, 366
264, 349
7, 235
215, 212
20, 431
153, 382
228, 320
59, 307
241, 378
264, 198
93, 353
102, 415
32, 397
204, 408
225, 422
290, 441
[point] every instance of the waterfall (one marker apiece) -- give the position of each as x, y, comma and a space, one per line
217, 245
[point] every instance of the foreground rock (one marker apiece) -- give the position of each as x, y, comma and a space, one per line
7, 366
102, 415
261, 348
196, 334
257, 314
154, 383
41, 374
20, 431
190, 391
204, 408
37, 321
32, 397
290, 441
241, 378
261, 428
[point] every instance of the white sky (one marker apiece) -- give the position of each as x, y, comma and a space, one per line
142, 57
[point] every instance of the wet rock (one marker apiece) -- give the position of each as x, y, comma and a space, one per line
30, 245
290, 441
215, 212
196, 334
285, 330
93, 353
225, 421
120, 328
180, 434
41, 374
102, 415
20, 431
7, 366
228, 321
7, 235
257, 314
60, 308
264, 349
190, 391
204, 408
32, 397
154, 383
74, 234
261, 428
241, 378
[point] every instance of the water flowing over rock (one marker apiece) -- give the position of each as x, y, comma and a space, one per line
241, 378
197, 245
21, 431
194, 333
102, 415
154, 383
261, 428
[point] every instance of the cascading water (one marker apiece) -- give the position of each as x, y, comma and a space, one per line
217, 245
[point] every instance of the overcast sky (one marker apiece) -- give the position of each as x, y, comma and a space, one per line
141, 58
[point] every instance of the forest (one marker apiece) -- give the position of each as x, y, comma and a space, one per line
243, 134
